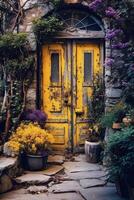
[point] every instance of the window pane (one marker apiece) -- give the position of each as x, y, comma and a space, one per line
55, 67
87, 67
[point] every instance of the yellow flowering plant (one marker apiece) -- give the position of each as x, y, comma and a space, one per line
30, 138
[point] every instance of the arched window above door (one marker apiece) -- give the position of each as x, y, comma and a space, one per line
76, 19
80, 23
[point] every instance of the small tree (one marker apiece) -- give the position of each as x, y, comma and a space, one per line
17, 67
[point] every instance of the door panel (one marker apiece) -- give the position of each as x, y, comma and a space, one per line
87, 65
68, 71
54, 87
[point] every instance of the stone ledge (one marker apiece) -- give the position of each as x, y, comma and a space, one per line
6, 163
9, 168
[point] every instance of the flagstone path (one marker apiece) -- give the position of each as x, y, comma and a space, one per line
64, 180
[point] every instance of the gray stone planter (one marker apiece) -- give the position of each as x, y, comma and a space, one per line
92, 151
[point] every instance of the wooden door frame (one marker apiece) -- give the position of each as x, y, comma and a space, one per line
39, 74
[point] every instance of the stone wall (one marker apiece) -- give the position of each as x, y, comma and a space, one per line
36, 9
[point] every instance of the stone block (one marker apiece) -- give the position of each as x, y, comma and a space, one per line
5, 183
80, 167
32, 179
87, 183
56, 159
66, 186
7, 163
113, 93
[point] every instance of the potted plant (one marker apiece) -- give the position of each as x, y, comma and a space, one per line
95, 133
93, 144
120, 149
34, 142
129, 118
113, 117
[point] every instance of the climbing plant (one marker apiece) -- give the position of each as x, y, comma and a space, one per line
119, 34
47, 26
16, 67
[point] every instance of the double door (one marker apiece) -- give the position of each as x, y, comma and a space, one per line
68, 71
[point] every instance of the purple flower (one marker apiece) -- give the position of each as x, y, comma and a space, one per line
95, 4
120, 45
113, 33
109, 62
111, 12
34, 116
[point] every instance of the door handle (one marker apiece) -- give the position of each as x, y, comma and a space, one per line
67, 97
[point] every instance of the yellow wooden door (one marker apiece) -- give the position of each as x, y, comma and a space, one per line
87, 64
68, 70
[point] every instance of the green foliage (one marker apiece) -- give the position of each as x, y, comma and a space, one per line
55, 2
115, 114
120, 149
17, 68
47, 26
97, 101
20, 69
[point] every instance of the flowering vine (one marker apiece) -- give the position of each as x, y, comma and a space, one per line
121, 58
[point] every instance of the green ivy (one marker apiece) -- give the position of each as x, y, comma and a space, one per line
47, 26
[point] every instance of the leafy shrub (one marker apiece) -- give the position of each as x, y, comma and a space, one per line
115, 114
48, 26
120, 149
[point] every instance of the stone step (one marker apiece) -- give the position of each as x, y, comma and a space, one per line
56, 159
9, 168
7, 163
33, 179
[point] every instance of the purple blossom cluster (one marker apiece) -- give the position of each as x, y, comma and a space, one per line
34, 116
113, 33
111, 12
95, 4
109, 62
120, 45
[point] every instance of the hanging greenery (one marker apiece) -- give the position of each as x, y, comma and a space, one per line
16, 67
47, 26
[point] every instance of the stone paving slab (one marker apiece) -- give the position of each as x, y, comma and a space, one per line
73, 167
100, 193
66, 186
22, 194
88, 174
56, 159
50, 171
80, 158
32, 178
6, 163
87, 183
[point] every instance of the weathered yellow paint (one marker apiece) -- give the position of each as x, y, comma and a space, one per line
66, 102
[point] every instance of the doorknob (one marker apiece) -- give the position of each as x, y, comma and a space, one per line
67, 97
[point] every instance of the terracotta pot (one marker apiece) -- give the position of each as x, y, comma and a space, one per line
92, 151
127, 121
116, 126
